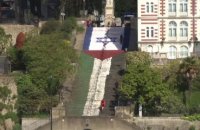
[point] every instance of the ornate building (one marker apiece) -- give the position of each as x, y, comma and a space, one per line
169, 28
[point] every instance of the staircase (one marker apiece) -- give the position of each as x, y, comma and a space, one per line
113, 80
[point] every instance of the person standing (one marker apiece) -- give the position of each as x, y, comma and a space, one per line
103, 104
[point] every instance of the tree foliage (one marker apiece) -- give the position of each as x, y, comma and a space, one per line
64, 29
31, 99
123, 6
43, 56
48, 60
5, 41
143, 84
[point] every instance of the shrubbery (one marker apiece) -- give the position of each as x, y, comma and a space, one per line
48, 61
195, 117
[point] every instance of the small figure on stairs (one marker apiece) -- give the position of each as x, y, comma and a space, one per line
103, 105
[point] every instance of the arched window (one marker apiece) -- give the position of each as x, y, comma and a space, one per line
172, 29
183, 29
172, 6
184, 52
152, 7
172, 52
183, 5
150, 50
147, 7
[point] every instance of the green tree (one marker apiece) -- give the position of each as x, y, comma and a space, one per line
188, 71
5, 41
31, 99
143, 84
170, 74
48, 55
122, 6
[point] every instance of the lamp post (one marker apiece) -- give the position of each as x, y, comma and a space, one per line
51, 114
63, 16
50, 87
83, 8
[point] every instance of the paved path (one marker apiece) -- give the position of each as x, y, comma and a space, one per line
97, 87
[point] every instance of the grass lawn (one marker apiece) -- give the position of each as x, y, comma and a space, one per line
81, 86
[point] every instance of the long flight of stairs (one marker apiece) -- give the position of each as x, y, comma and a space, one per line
113, 80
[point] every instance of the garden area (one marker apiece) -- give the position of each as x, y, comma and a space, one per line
41, 62
172, 89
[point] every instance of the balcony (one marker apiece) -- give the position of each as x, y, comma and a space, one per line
172, 14
173, 55
183, 38
163, 59
172, 38
183, 14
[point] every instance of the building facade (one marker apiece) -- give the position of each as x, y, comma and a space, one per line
169, 28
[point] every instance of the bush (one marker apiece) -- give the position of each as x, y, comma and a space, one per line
50, 27
192, 118
69, 25
80, 28
11, 115
17, 127
192, 127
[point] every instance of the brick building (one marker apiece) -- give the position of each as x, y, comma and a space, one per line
169, 29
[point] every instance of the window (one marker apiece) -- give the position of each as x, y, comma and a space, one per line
183, 29
152, 8
172, 52
172, 29
149, 32
183, 6
172, 5
149, 49
184, 52
147, 7
152, 32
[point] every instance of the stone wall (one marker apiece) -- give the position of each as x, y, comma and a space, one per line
33, 123
124, 112
15, 29
90, 123
165, 123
